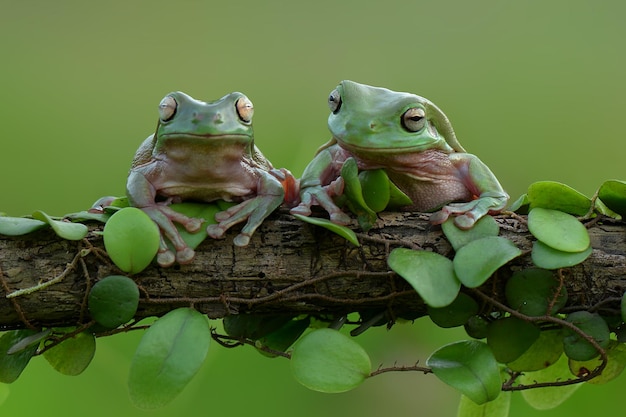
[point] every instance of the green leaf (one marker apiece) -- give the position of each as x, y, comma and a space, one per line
326, 360
548, 258
613, 194
169, 354
375, 185
66, 230
431, 274
458, 238
29, 341
496, 408
532, 291
510, 337
113, 301
456, 314
342, 231
254, 326
476, 327
131, 239
577, 348
616, 362
544, 352
556, 196
11, 366
197, 211
73, 355
520, 205
559, 230
548, 398
353, 191
282, 338
470, 367
475, 262
397, 198
17, 226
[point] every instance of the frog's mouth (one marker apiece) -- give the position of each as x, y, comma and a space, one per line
196, 136
395, 149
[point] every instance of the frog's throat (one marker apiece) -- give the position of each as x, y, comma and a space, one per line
441, 146
192, 136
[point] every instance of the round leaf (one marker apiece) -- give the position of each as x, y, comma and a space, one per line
16, 226
546, 399
131, 239
458, 238
548, 258
476, 327
470, 367
532, 291
577, 348
613, 194
475, 262
168, 356
456, 314
73, 355
510, 337
197, 211
282, 338
616, 362
559, 230
66, 230
12, 365
431, 274
375, 185
113, 301
545, 351
557, 196
326, 360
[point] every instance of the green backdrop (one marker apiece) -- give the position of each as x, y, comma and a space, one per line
535, 88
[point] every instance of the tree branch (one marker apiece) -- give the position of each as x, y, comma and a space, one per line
289, 267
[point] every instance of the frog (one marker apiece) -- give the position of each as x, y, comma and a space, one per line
413, 141
202, 152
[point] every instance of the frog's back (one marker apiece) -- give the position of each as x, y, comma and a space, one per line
144, 153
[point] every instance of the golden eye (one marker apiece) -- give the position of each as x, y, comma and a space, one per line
334, 101
414, 119
167, 108
245, 109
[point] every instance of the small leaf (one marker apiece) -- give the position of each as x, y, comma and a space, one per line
431, 274
496, 408
476, 327
113, 301
544, 352
375, 185
616, 362
66, 230
73, 355
532, 291
520, 205
11, 366
458, 238
326, 360
169, 354
131, 239
29, 341
556, 196
546, 399
613, 194
353, 191
397, 198
342, 231
510, 337
548, 258
197, 211
594, 326
559, 230
17, 226
470, 367
456, 314
475, 262
282, 338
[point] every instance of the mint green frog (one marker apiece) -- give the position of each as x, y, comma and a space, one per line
202, 151
412, 140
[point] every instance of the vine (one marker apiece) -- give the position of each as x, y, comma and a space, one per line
522, 330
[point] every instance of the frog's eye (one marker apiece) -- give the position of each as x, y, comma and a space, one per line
167, 108
245, 109
414, 119
334, 101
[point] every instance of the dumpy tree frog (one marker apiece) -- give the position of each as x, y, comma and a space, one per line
202, 151
412, 140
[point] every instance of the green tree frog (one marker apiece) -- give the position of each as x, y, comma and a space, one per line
202, 151
413, 141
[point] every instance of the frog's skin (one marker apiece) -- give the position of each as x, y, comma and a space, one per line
413, 141
202, 152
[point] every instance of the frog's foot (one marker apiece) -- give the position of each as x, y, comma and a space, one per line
322, 196
467, 214
164, 217
254, 210
290, 184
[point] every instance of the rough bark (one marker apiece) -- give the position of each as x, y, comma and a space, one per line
289, 267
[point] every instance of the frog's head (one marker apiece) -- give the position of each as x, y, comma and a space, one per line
380, 120
182, 117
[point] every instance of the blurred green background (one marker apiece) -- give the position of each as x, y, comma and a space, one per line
535, 88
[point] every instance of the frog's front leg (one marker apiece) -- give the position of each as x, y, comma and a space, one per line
270, 195
142, 194
490, 197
